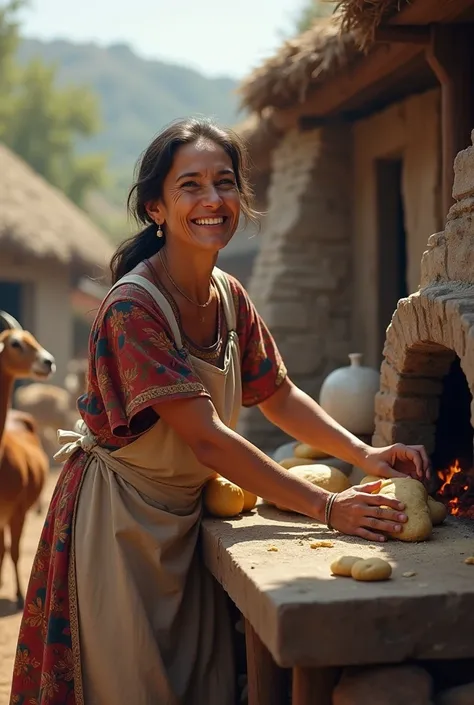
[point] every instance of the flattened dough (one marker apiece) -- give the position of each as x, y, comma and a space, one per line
343, 565
371, 569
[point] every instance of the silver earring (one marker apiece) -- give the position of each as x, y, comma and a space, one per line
159, 230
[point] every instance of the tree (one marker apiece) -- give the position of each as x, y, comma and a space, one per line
312, 11
42, 122
8, 45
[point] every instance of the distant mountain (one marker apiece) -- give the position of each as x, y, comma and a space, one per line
137, 96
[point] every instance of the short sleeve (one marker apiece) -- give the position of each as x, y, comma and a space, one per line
138, 365
263, 369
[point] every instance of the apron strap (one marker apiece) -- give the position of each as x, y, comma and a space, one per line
221, 281
159, 299
225, 291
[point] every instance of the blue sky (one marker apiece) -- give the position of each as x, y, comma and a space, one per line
216, 36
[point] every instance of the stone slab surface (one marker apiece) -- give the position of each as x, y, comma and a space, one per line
306, 617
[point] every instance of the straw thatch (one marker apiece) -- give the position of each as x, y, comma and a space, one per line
362, 17
38, 221
300, 63
308, 59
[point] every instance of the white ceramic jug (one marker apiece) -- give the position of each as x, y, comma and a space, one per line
348, 395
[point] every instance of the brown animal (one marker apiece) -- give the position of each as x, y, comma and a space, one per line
23, 463
23, 422
53, 407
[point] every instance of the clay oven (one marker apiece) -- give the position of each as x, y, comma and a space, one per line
427, 375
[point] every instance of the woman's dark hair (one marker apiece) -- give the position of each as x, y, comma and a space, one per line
151, 172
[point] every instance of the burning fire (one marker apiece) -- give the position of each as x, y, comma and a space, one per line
457, 490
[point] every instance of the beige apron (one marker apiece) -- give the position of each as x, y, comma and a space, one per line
152, 627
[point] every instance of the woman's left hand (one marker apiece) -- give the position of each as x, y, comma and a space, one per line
397, 460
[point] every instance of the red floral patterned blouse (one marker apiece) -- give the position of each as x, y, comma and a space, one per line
134, 363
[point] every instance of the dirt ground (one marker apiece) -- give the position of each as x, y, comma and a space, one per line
9, 617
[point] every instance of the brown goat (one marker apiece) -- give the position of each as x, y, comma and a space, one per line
53, 407
23, 463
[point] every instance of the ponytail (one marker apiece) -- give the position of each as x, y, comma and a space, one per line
134, 250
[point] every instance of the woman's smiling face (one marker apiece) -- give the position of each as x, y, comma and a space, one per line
201, 200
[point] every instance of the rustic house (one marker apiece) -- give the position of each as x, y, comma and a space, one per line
47, 244
357, 124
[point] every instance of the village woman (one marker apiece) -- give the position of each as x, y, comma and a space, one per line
120, 609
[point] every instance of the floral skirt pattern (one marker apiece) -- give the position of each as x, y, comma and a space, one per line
47, 669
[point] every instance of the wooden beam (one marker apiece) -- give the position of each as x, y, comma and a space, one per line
451, 57
425, 12
313, 686
267, 682
354, 84
406, 34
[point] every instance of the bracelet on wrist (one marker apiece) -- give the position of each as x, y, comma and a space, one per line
328, 509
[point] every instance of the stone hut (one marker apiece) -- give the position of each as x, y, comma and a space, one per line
363, 116
47, 245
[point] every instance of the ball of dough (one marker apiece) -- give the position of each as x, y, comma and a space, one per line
438, 511
303, 450
371, 569
414, 496
330, 479
250, 500
343, 565
369, 478
289, 463
222, 498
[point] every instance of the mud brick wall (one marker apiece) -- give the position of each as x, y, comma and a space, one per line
302, 280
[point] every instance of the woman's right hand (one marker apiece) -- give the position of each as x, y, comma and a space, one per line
358, 512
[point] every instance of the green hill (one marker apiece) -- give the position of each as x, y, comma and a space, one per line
137, 96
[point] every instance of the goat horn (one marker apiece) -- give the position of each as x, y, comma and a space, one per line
9, 322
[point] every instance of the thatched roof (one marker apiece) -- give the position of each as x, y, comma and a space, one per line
299, 64
39, 221
362, 17
313, 56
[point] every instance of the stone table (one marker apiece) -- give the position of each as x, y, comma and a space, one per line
275, 568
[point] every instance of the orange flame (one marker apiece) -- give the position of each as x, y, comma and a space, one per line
447, 477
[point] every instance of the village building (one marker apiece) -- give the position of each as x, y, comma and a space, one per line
356, 125
47, 246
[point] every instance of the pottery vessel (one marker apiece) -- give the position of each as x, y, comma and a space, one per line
348, 395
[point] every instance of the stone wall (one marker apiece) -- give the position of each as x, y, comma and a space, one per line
301, 281
431, 326
408, 131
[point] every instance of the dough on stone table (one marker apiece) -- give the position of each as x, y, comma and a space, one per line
369, 478
288, 463
303, 450
343, 565
250, 500
438, 511
222, 498
414, 496
371, 569
330, 479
